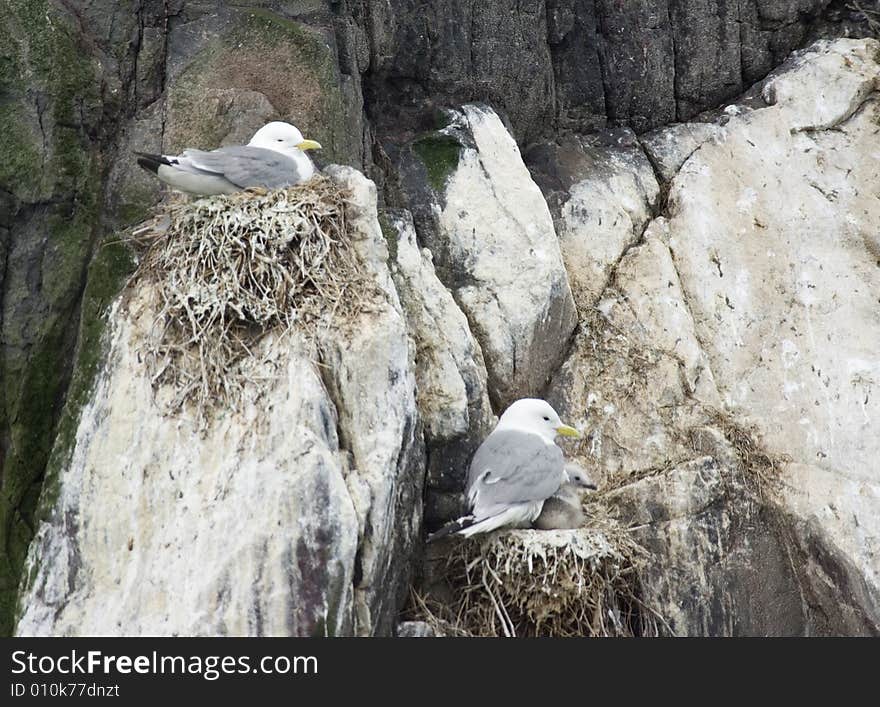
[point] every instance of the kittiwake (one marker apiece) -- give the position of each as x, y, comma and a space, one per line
563, 511
274, 158
514, 470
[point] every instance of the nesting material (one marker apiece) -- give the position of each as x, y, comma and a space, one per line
230, 269
760, 467
581, 582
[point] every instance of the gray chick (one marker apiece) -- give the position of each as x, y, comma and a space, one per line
563, 509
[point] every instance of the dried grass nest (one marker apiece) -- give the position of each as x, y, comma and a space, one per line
563, 583
230, 269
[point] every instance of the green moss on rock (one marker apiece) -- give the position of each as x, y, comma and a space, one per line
19, 144
391, 237
19, 152
108, 272
52, 168
289, 64
440, 154
442, 118
111, 267
134, 205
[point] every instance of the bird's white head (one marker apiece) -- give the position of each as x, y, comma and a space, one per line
536, 416
282, 137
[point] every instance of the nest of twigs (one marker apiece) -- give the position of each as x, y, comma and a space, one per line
563, 583
228, 270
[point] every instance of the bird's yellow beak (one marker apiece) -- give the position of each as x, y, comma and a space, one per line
566, 431
309, 145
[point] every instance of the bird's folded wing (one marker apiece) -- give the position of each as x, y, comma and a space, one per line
514, 467
245, 166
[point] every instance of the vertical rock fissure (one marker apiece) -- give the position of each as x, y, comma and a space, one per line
675, 73
602, 36
167, 16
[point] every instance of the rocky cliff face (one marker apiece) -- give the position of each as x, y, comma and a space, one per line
733, 308
312, 491
553, 65
689, 293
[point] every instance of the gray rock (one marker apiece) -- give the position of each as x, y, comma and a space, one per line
64, 95
718, 346
558, 65
295, 514
602, 192
668, 148
717, 564
415, 629
231, 69
131, 190
494, 246
452, 391
447, 53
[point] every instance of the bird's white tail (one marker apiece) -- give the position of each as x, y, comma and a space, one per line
513, 516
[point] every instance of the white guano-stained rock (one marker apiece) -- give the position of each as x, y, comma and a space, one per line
823, 86
247, 531
651, 289
742, 330
774, 232
268, 523
669, 147
602, 192
369, 372
451, 385
494, 242
449, 365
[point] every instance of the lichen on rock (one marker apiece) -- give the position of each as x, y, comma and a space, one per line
259, 68
50, 179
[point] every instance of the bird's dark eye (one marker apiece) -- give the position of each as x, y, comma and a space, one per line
546, 418
281, 139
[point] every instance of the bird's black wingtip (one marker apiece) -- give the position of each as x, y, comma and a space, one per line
151, 162
451, 528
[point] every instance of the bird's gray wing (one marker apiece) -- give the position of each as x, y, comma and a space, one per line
514, 467
245, 166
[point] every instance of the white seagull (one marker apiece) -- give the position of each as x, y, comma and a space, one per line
516, 468
274, 158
